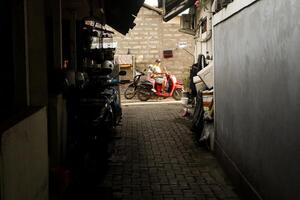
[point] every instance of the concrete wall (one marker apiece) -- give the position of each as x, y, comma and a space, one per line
36, 52
24, 159
257, 75
57, 127
204, 40
151, 36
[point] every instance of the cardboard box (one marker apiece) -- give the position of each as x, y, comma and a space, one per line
200, 86
207, 97
196, 79
207, 76
124, 59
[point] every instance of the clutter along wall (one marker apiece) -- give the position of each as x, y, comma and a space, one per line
257, 89
150, 37
203, 36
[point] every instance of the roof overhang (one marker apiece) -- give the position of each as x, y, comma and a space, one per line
175, 7
120, 14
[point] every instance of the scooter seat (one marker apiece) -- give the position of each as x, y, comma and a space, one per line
147, 83
180, 82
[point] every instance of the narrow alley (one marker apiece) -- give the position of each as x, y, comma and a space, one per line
150, 99
157, 158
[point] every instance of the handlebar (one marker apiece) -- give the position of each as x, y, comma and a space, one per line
139, 73
113, 82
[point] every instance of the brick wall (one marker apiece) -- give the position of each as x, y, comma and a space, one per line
147, 40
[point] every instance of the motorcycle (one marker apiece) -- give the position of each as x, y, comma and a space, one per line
93, 103
94, 110
132, 88
174, 88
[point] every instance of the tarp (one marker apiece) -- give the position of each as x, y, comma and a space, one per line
175, 7
120, 14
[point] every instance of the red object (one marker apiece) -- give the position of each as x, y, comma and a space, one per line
150, 88
172, 83
63, 178
168, 53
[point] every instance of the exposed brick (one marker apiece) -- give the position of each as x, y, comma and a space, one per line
151, 32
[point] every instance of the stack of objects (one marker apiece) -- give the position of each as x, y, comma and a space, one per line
204, 82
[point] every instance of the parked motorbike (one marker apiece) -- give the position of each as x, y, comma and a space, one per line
93, 103
173, 89
94, 110
132, 88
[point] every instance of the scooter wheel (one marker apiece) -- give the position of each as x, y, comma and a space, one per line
177, 94
130, 92
144, 94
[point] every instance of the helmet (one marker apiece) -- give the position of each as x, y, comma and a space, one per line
108, 66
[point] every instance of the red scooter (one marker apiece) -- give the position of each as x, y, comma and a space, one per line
173, 88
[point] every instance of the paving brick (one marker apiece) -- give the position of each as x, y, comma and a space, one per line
157, 158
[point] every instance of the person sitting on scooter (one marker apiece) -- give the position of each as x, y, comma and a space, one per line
158, 75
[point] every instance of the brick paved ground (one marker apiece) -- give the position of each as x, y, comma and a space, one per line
157, 158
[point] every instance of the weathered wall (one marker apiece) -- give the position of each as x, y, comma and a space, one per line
204, 40
24, 159
36, 52
257, 75
150, 37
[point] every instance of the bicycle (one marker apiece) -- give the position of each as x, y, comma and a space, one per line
131, 90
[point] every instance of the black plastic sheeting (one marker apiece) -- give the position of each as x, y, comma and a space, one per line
120, 14
175, 7
198, 121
